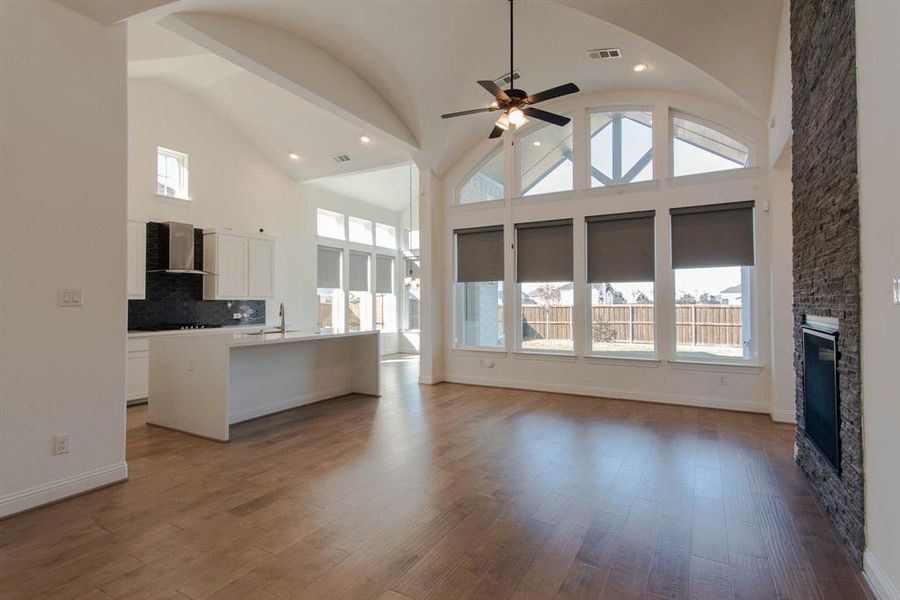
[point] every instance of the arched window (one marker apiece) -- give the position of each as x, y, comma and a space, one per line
486, 183
545, 156
698, 148
621, 147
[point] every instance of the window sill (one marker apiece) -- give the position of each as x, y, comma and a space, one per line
465, 351
719, 366
172, 200
546, 355
546, 197
623, 188
623, 361
478, 205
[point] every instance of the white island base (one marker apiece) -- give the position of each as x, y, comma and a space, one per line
202, 384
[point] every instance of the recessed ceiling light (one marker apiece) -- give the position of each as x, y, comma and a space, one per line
365, 139
293, 156
640, 67
536, 143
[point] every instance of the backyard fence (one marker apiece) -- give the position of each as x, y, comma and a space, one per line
696, 324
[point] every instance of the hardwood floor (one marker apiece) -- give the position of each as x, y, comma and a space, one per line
442, 492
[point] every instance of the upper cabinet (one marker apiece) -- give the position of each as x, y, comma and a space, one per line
241, 266
137, 260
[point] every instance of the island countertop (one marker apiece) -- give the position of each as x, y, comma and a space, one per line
251, 338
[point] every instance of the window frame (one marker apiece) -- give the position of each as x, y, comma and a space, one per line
343, 217
368, 244
378, 225
724, 130
182, 159
590, 112
523, 133
455, 307
498, 149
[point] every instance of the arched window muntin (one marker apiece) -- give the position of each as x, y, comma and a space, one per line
481, 183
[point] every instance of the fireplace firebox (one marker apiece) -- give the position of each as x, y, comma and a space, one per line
821, 408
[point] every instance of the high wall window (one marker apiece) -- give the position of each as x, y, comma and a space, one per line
620, 277
329, 289
171, 173
385, 299
486, 183
698, 148
479, 288
713, 258
545, 160
360, 231
330, 224
359, 298
544, 278
385, 236
621, 147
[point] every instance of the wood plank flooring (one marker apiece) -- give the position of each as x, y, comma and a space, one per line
443, 492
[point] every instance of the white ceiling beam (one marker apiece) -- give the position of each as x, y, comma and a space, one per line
296, 66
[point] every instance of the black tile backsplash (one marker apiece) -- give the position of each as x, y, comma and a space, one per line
178, 297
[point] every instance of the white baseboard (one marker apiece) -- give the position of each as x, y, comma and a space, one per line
616, 393
431, 379
62, 488
286, 404
879, 581
784, 416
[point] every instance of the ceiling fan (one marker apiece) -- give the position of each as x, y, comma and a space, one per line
516, 104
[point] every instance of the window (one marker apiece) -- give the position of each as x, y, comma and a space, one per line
360, 300
171, 173
713, 257
479, 288
545, 288
329, 290
385, 300
697, 148
385, 236
330, 224
411, 283
621, 147
360, 231
487, 182
620, 276
545, 157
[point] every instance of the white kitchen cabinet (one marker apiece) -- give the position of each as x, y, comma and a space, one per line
137, 370
137, 260
240, 266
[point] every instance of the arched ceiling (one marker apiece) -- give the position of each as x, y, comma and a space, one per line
423, 57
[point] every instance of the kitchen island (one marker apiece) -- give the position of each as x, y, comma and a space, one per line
202, 384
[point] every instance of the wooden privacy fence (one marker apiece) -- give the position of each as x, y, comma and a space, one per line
696, 324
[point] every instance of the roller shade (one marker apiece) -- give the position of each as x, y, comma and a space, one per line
479, 254
620, 248
544, 251
359, 271
384, 274
329, 267
717, 235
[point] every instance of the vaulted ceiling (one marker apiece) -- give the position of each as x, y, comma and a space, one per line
399, 64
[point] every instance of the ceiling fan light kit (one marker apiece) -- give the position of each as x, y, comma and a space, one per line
516, 104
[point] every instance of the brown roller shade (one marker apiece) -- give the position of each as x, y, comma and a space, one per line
544, 251
479, 254
717, 235
359, 271
384, 274
620, 248
329, 267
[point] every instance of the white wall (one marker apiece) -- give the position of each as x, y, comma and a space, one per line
62, 370
232, 185
745, 387
879, 154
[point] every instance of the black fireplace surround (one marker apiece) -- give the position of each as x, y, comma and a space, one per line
820, 393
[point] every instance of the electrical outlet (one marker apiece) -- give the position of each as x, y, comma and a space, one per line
191, 364
235, 315
723, 380
62, 444
70, 296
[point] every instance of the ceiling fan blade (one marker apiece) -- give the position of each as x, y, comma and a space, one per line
496, 132
463, 113
560, 90
543, 115
495, 90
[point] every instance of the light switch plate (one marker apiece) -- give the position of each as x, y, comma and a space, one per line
70, 296
896, 290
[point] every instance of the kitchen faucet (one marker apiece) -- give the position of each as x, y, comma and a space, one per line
282, 327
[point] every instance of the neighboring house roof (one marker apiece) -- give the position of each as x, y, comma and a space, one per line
735, 289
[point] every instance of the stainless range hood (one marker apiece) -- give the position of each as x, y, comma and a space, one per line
176, 249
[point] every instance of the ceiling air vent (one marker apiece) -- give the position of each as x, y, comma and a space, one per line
604, 53
505, 79
341, 158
